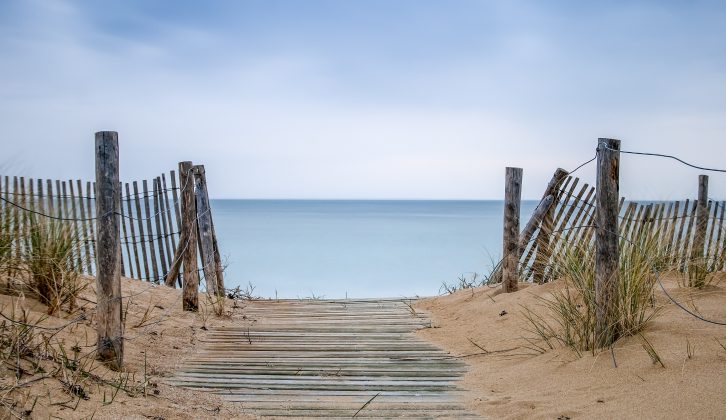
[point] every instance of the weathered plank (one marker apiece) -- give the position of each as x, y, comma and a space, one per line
327, 359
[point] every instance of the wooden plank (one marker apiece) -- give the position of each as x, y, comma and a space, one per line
697, 267
83, 226
90, 197
159, 233
218, 266
719, 260
665, 232
165, 224
688, 236
142, 237
708, 253
125, 237
670, 240
76, 223
679, 236
134, 243
26, 215
323, 358
150, 234
60, 203
204, 224
16, 226
558, 243
575, 222
41, 197
50, 206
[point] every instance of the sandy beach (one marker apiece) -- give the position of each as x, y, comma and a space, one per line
509, 381
159, 336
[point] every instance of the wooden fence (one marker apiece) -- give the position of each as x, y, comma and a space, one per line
573, 224
150, 219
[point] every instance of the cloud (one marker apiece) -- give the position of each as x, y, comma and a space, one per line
411, 101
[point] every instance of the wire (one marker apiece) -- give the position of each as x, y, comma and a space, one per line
703, 168
70, 219
581, 165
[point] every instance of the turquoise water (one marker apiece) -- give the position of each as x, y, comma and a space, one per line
304, 248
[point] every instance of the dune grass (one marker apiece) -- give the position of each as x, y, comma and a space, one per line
569, 313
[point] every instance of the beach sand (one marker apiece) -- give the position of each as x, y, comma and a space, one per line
518, 383
166, 337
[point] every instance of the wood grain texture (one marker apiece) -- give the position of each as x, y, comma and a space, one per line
188, 241
108, 278
607, 253
206, 241
697, 267
510, 246
312, 359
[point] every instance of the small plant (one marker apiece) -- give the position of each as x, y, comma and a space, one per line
654, 356
52, 274
248, 293
464, 281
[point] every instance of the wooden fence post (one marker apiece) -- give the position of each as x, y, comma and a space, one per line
697, 267
188, 241
110, 345
215, 285
512, 201
607, 256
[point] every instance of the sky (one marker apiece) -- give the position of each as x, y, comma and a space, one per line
391, 99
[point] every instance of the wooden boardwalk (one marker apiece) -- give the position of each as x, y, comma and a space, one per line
328, 358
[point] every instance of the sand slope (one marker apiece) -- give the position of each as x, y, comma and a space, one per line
519, 383
156, 344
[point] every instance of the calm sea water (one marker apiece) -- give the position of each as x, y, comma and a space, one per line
304, 248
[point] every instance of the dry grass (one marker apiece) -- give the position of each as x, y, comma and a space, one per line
48, 257
569, 317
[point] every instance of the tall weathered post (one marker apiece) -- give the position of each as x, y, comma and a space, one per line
215, 285
697, 267
188, 239
510, 248
607, 255
110, 345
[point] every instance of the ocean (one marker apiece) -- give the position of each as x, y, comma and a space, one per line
356, 248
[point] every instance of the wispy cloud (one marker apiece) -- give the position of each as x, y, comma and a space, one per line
410, 99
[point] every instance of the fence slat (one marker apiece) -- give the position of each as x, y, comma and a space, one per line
16, 216
90, 208
719, 258
124, 230
712, 205
142, 238
172, 177
134, 244
173, 235
60, 202
84, 232
159, 236
49, 197
31, 206
542, 258
76, 235
150, 230
688, 240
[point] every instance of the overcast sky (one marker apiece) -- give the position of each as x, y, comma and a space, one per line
365, 99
